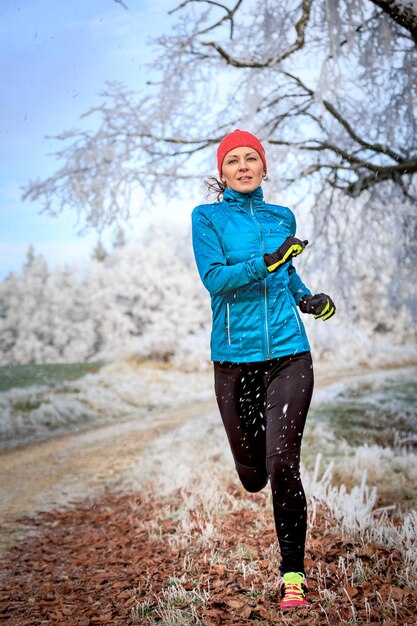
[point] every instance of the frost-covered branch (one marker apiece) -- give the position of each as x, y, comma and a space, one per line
374, 147
228, 17
404, 12
350, 163
330, 87
300, 29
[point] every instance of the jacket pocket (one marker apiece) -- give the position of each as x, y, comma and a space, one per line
293, 309
292, 306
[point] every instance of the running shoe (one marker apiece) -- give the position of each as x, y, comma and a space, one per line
293, 587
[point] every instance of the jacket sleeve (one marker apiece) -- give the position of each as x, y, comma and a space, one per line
217, 276
296, 285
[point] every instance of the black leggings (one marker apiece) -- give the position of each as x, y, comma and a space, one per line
264, 408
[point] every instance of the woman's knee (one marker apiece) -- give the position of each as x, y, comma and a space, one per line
253, 478
283, 467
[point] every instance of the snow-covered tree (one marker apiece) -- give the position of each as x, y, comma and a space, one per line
119, 240
330, 88
330, 85
146, 299
99, 253
143, 299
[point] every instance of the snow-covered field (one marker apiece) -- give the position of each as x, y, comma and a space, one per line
363, 425
119, 391
360, 423
129, 389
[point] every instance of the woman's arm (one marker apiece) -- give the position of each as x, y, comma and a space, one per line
216, 275
296, 285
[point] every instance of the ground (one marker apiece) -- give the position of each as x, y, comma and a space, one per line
45, 474
98, 554
126, 559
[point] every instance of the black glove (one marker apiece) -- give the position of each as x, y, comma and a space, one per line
290, 248
319, 305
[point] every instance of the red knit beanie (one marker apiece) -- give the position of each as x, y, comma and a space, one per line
237, 139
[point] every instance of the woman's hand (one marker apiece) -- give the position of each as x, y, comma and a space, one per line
290, 248
319, 305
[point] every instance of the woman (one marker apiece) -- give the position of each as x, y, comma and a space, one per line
262, 364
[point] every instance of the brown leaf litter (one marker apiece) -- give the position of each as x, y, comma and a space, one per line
141, 559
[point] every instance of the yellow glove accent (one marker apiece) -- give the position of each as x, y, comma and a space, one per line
292, 251
326, 312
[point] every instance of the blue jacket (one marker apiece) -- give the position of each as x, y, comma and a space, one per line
254, 312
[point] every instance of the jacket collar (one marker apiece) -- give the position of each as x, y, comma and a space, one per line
243, 199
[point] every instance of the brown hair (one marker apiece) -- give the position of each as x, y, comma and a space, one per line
214, 185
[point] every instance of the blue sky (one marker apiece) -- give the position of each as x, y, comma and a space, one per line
55, 59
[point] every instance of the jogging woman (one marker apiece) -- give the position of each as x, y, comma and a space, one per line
262, 364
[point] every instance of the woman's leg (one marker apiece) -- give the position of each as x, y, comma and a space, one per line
289, 387
240, 395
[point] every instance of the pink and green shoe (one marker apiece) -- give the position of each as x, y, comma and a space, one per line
293, 587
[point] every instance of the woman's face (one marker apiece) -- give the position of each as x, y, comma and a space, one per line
242, 169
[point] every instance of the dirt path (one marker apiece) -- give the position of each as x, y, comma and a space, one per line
53, 472
42, 475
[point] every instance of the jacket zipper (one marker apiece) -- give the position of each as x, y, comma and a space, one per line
265, 287
229, 341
